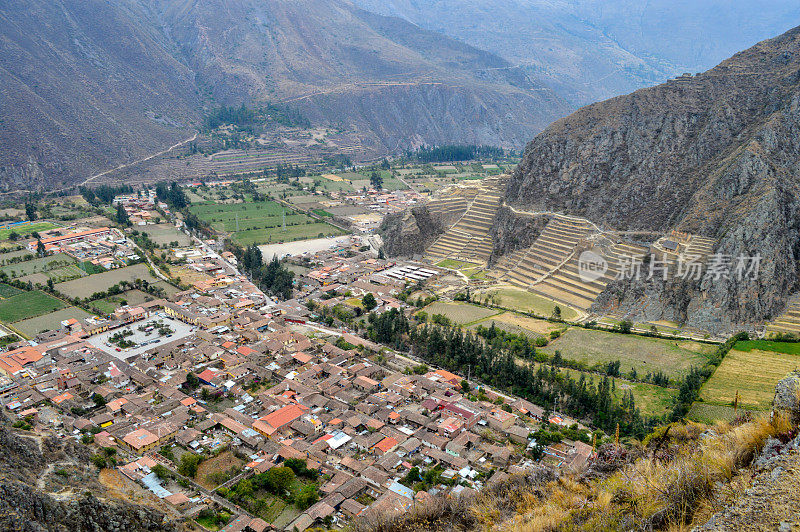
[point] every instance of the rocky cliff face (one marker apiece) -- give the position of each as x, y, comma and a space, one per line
513, 231
412, 231
716, 154
33, 498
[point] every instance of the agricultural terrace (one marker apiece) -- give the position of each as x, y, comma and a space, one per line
524, 301
25, 229
100, 282
48, 322
27, 305
674, 358
459, 313
752, 368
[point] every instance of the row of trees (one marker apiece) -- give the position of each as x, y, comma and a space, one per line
272, 278
451, 153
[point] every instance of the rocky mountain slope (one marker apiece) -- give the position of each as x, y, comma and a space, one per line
398, 84
590, 50
47, 484
85, 85
89, 84
715, 154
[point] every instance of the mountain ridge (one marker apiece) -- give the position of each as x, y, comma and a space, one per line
712, 154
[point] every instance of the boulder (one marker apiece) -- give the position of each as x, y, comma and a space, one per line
787, 395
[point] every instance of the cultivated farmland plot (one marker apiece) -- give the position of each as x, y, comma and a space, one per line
262, 222
165, 234
100, 282
43, 264
647, 355
26, 229
28, 305
459, 313
33, 326
752, 372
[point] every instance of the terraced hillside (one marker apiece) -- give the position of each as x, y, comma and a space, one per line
468, 239
789, 321
550, 266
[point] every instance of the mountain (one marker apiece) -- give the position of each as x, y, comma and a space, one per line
716, 154
399, 85
89, 84
590, 50
86, 85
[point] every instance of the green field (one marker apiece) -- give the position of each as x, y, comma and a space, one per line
262, 222
26, 229
789, 348
459, 313
753, 373
47, 322
43, 264
455, 264
100, 282
524, 301
647, 355
27, 305
7, 291
292, 233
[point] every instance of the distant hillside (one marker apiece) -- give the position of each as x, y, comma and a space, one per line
399, 85
88, 84
589, 50
715, 154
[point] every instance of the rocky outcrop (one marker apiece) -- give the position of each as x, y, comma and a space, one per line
34, 499
411, 231
715, 154
787, 396
512, 231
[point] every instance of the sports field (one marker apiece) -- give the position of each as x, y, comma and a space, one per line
27, 305
25, 229
752, 372
648, 355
